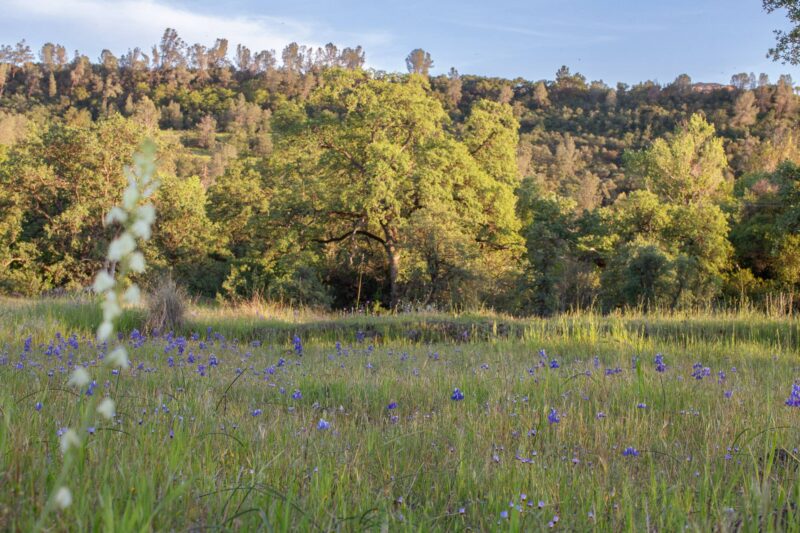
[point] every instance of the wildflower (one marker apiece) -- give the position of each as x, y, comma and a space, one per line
323, 424
641, 405
659, 360
699, 371
69, 439
296, 395
118, 358
298, 345
79, 377
392, 405
728, 393
103, 282
554, 364
106, 408
553, 417
504, 514
256, 412
91, 430
794, 398
38, 406
63, 497
457, 395
630, 451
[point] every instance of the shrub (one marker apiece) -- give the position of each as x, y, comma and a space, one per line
166, 306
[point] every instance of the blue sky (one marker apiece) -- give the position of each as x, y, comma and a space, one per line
612, 40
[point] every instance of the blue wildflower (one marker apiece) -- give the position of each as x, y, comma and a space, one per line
553, 417
296, 395
659, 360
630, 451
457, 395
323, 424
38, 406
554, 364
794, 398
256, 412
298, 345
392, 405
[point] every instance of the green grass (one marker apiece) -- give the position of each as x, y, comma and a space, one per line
225, 469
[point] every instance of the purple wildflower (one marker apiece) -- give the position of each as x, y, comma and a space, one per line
630, 451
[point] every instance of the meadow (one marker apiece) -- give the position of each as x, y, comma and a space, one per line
279, 420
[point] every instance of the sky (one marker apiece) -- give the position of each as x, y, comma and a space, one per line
611, 40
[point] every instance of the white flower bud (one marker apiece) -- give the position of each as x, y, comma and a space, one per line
146, 213
116, 215
106, 408
103, 282
111, 308
118, 358
79, 378
132, 295
121, 246
136, 262
104, 331
141, 229
130, 197
63, 497
68, 440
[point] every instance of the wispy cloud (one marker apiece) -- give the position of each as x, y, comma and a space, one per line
568, 36
129, 23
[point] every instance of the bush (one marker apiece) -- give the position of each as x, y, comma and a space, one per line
166, 306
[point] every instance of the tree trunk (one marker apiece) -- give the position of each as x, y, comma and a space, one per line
393, 255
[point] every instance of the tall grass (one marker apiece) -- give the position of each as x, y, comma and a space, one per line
232, 449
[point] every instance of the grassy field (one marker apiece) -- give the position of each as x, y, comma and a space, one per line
566, 423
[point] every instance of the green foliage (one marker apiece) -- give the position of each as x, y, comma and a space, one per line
370, 163
688, 167
787, 46
316, 182
58, 184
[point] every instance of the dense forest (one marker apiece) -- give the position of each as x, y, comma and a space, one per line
309, 179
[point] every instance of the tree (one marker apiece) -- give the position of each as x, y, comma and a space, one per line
745, 111
63, 179
768, 223
660, 254
454, 86
540, 95
686, 168
184, 240
419, 61
787, 43
370, 156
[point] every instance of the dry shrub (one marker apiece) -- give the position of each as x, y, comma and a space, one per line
166, 306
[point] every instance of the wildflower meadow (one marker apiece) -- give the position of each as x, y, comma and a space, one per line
365, 423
